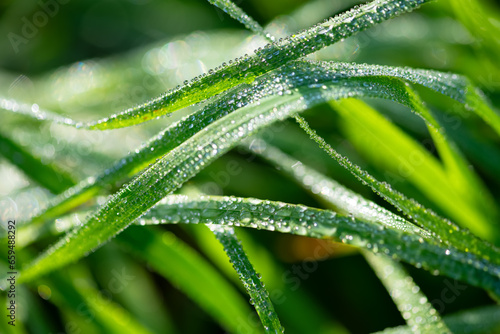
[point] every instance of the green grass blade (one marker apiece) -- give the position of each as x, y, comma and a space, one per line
290, 77
317, 223
484, 320
318, 321
165, 141
47, 175
412, 304
330, 191
445, 229
246, 69
193, 275
450, 187
294, 75
259, 297
168, 173
239, 15
452, 85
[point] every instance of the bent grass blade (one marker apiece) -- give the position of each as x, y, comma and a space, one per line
259, 297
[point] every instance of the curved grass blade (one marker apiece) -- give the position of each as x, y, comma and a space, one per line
193, 275
259, 297
239, 15
246, 69
450, 185
333, 193
412, 304
484, 320
445, 229
47, 175
316, 223
318, 321
452, 85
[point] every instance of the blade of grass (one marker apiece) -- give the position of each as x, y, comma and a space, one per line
286, 79
484, 320
259, 297
412, 304
177, 262
450, 187
443, 228
246, 69
316, 223
47, 175
239, 15
178, 165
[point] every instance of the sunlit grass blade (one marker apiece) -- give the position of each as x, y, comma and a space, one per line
484, 320
450, 186
48, 176
246, 69
238, 14
285, 300
330, 191
301, 220
411, 302
452, 85
259, 297
193, 275
294, 75
444, 228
